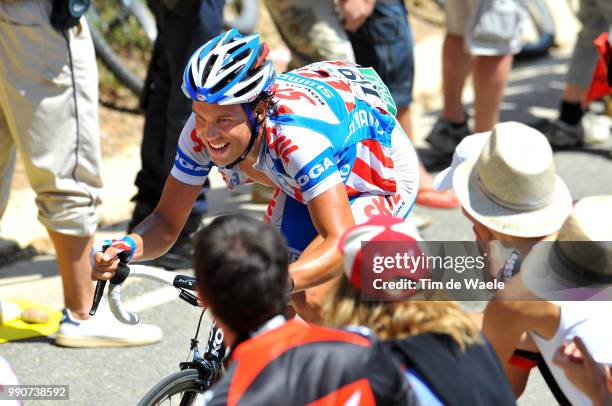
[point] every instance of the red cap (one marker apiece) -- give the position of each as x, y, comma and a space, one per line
381, 252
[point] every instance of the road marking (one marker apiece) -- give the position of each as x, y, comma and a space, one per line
15, 280
152, 299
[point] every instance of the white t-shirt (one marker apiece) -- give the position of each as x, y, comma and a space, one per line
592, 322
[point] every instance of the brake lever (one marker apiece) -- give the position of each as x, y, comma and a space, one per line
99, 292
120, 275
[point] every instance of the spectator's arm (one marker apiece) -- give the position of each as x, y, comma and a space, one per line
594, 379
355, 13
506, 320
156, 233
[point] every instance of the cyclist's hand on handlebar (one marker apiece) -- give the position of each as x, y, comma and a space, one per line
104, 257
105, 264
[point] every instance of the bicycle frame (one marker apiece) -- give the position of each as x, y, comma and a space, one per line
209, 365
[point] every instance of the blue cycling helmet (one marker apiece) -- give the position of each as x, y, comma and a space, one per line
229, 69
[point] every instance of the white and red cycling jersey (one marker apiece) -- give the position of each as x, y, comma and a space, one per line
332, 122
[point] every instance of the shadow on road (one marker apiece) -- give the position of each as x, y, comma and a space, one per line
43, 266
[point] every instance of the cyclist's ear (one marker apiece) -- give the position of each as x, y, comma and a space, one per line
260, 111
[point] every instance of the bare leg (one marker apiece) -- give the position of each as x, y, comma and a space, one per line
73, 263
574, 94
456, 66
490, 78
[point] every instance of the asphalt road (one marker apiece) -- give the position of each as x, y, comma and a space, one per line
121, 376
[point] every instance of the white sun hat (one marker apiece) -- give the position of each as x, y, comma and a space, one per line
513, 187
578, 266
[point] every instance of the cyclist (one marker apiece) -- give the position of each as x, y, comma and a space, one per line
241, 267
323, 135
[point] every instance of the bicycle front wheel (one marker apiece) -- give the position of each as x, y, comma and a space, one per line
181, 388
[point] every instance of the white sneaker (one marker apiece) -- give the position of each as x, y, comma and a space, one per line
103, 330
597, 127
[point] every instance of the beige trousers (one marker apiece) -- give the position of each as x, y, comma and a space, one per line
49, 114
312, 30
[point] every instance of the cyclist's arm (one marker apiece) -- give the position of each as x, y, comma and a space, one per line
157, 232
331, 215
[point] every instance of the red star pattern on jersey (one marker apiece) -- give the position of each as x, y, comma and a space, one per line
282, 109
271, 205
371, 171
199, 145
291, 94
339, 85
298, 194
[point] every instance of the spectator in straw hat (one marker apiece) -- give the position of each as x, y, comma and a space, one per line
575, 267
508, 188
506, 182
446, 359
512, 188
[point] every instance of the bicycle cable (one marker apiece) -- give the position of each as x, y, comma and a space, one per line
194, 341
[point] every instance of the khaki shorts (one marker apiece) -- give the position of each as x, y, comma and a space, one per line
312, 30
51, 123
489, 27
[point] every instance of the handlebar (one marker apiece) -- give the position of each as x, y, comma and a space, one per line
183, 283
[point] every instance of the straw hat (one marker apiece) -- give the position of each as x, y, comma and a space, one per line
578, 266
512, 187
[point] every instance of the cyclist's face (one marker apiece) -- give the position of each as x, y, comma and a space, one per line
223, 130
